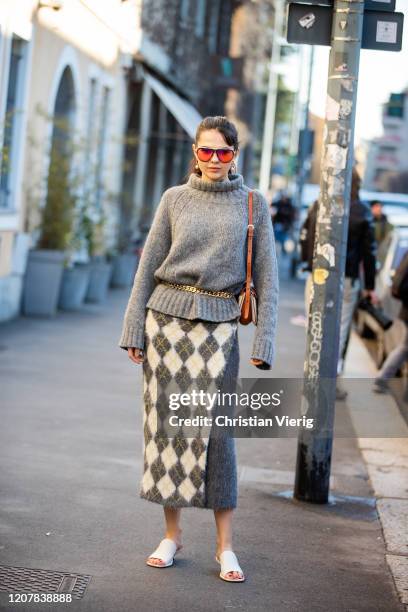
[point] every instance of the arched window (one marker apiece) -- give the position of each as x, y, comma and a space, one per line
64, 113
59, 207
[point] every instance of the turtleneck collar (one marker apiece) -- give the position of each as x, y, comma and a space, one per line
230, 184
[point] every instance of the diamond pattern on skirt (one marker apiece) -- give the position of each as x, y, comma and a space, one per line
216, 363
189, 355
172, 361
195, 363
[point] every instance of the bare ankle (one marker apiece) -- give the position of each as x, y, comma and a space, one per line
221, 546
174, 533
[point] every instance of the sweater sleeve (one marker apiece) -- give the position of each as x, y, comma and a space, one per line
266, 283
154, 252
369, 252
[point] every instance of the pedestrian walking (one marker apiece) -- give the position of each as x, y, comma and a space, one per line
181, 322
361, 253
283, 218
399, 355
382, 227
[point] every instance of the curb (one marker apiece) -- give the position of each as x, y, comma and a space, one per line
387, 465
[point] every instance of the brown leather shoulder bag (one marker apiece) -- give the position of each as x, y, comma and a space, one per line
247, 299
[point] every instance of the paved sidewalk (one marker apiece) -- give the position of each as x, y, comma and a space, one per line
387, 463
70, 450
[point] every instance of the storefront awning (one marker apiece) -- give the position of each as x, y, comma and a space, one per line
183, 111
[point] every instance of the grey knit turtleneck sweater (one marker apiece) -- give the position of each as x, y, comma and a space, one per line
198, 237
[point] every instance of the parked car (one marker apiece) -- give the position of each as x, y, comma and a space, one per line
395, 245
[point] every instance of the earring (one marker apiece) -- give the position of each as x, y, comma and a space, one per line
197, 167
233, 167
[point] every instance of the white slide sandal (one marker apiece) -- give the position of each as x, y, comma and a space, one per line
229, 563
165, 551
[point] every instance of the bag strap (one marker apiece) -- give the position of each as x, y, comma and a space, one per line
249, 255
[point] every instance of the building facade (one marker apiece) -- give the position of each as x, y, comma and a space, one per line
125, 82
196, 58
52, 70
181, 73
387, 155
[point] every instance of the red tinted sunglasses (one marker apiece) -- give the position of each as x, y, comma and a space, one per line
204, 154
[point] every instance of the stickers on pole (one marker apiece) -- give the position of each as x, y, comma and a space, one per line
346, 106
341, 67
332, 109
343, 137
336, 157
347, 85
341, 63
335, 186
323, 214
327, 251
340, 136
320, 275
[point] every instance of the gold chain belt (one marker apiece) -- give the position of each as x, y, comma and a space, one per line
192, 289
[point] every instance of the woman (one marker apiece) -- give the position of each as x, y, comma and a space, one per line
181, 323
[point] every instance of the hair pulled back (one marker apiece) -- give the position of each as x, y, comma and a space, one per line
225, 127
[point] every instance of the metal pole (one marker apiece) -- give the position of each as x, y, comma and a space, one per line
305, 126
296, 115
318, 396
270, 110
301, 175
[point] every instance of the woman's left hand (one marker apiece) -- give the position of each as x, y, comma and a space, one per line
257, 361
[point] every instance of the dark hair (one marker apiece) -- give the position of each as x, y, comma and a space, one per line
225, 127
355, 185
374, 202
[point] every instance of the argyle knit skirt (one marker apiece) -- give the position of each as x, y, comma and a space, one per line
188, 466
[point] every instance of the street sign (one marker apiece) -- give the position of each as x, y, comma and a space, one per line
379, 5
369, 5
309, 25
317, 2
382, 31
312, 25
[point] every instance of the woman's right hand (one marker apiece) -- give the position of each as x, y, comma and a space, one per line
136, 354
